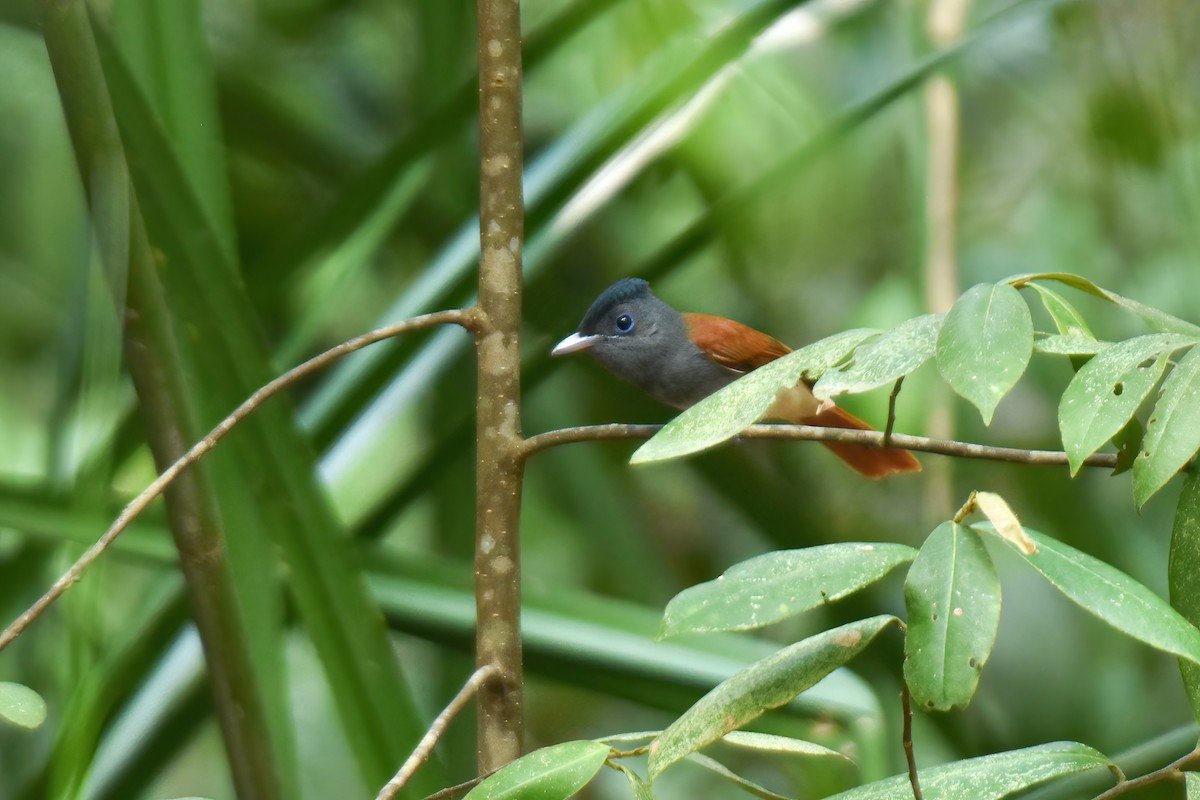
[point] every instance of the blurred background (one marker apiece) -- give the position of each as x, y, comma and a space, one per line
767, 161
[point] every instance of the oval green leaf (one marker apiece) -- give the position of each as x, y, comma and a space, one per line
985, 344
764, 685
988, 777
1066, 317
774, 586
952, 594
1191, 783
1183, 574
897, 353
1107, 391
1111, 595
726, 413
641, 789
1173, 431
21, 705
552, 773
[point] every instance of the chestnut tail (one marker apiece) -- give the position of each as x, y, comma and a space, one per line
873, 462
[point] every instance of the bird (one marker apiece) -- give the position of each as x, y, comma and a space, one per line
681, 358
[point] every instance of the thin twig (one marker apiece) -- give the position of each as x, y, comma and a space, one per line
436, 730
812, 433
906, 703
1172, 771
891, 420
136, 506
459, 788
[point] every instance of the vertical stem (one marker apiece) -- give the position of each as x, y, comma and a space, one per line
154, 363
499, 465
944, 24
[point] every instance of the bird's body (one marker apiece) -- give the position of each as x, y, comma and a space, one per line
681, 358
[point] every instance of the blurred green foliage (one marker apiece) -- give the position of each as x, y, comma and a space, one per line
345, 147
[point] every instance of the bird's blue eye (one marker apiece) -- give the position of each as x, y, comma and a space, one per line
624, 323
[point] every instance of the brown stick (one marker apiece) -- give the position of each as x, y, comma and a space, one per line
201, 448
436, 730
907, 742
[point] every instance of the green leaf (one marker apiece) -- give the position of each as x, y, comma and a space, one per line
764, 685
988, 777
897, 353
745, 784
641, 789
774, 586
552, 773
21, 705
1111, 595
953, 599
985, 344
1066, 317
726, 413
771, 743
1068, 344
1160, 321
1173, 431
1191, 783
1183, 574
1106, 392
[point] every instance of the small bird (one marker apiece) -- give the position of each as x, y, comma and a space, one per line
679, 359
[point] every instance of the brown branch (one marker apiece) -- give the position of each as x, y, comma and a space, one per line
136, 506
436, 730
499, 468
1172, 771
459, 788
811, 433
907, 742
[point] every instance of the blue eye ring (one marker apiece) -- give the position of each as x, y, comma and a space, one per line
624, 323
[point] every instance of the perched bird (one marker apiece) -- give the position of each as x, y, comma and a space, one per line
679, 359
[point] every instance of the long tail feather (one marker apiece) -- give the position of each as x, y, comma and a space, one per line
873, 462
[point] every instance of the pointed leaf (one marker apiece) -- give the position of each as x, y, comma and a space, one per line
552, 773
778, 744
1004, 520
774, 586
724, 414
1111, 595
988, 777
1107, 391
764, 685
21, 705
1066, 317
745, 784
985, 344
1183, 574
1173, 431
897, 353
1160, 321
953, 598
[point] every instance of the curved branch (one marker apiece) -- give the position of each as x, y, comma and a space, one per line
1172, 771
812, 433
465, 318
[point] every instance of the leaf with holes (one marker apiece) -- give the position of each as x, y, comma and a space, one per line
953, 599
897, 353
765, 684
985, 344
1107, 391
1173, 431
775, 586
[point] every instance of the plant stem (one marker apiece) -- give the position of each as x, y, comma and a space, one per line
499, 463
